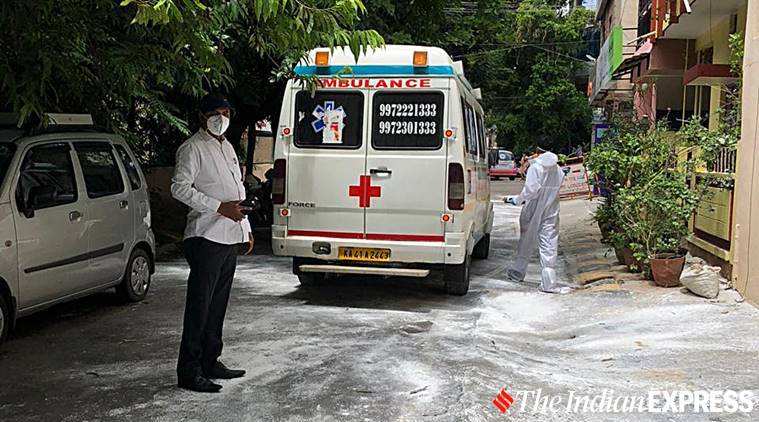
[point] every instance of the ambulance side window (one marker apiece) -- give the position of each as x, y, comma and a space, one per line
471, 131
481, 132
329, 120
465, 116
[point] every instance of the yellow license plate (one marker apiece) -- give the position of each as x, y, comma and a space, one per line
364, 254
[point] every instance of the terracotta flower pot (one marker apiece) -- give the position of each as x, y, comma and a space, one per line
631, 261
666, 269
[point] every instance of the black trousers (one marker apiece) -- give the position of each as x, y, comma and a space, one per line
212, 268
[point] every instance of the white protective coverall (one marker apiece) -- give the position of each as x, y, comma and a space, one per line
539, 220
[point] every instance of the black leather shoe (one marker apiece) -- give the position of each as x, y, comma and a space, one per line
200, 384
219, 371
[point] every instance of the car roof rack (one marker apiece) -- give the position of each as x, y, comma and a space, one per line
57, 122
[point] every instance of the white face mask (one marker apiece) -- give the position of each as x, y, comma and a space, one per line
217, 124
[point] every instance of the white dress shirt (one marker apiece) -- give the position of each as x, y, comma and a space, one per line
206, 174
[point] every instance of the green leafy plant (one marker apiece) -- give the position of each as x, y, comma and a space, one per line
654, 215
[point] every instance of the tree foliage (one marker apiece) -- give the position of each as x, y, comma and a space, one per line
523, 54
140, 66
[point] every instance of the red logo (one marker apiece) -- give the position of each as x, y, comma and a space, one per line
503, 401
365, 191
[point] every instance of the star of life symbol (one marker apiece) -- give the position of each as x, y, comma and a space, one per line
330, 122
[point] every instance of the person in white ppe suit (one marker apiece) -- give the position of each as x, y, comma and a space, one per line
539, 221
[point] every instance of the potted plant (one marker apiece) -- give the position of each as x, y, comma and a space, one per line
655, 215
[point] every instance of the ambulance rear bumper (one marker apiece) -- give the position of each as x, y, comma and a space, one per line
450, 251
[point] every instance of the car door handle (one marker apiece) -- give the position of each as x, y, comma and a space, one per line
123, 204
381, 170
75, 216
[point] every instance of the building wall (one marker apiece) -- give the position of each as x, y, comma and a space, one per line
718, 38
715, 217
746, 238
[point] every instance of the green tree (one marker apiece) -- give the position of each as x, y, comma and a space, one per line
140, 66
524, 56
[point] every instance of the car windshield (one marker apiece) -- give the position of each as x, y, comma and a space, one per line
505, 156
6, 155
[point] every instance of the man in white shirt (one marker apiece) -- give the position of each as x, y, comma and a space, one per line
207, 179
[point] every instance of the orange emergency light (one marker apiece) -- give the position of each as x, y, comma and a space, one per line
420, 58
322, 58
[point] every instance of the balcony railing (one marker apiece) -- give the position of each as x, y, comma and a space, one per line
725, 162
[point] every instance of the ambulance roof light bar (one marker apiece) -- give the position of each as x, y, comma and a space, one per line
322, 58
420, 59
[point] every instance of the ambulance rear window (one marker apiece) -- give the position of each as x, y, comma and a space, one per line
408, 120
329, 120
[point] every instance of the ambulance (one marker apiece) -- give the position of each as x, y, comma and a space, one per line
383, 168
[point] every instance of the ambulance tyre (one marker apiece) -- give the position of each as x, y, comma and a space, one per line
457, 277
311, 279
482, 248
306, 279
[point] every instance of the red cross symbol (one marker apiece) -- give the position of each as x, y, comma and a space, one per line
365, 191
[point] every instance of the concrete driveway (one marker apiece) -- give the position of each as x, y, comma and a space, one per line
361, 349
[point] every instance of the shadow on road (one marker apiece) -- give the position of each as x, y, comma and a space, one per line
397, 294
94, 306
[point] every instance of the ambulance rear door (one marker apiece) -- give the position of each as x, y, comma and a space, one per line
407, 161
326, 159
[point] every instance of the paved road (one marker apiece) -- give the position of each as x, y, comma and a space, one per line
381, 349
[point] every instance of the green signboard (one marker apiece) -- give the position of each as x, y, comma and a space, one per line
616, 44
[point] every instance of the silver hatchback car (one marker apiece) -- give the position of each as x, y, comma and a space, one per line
74, 219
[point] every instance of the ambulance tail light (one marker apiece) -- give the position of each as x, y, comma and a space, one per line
456, 188
278, 182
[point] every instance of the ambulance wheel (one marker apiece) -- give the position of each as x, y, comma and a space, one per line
457, 277
306, 279
311, 279
482, 248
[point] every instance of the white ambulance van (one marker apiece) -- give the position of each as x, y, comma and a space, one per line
383, 170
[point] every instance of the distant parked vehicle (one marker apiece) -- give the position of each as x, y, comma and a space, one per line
502, 164
74, 219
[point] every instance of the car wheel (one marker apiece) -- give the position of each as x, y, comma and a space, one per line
482, 248
5, 318
512, 178
457, 277
134, 287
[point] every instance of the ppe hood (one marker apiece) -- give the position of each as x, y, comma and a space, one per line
547, 159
